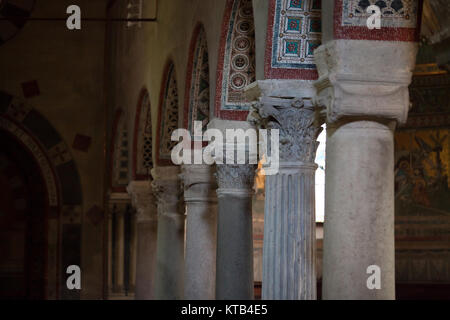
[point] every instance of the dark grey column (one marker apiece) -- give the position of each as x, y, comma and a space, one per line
234, 271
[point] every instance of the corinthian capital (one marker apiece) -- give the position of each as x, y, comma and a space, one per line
235, 179
143, 200
167, 190
297, 122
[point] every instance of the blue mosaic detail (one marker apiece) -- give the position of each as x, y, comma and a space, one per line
297, 25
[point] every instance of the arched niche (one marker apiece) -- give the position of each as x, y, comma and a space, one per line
197, 102
167, 115
236, 64
143, 138
61, 182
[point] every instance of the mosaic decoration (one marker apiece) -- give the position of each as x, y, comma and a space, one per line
430, 103
399, 20
236, 68
422, 202
143, 138
120, 154
294, 32
168, 116
197, 88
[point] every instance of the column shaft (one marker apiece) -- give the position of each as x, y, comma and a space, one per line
201, 232
146, 259
234, 273
359, 222
170, 239
145, 247
289, 235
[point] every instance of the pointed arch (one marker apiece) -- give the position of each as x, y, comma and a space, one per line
236, 64
143, 138
167, 115
197, 102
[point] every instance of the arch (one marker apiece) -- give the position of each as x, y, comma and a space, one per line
236, 64
62, 184
196, 104
143, 138
167, 115
119, 153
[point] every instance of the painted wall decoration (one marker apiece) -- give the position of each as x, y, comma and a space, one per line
168, 115
143, 138
399, 20
236, 65
294, 32
197, 81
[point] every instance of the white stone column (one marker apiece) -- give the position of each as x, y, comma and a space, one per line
201, 232
289, 222
364, 85
144, 202
170, 242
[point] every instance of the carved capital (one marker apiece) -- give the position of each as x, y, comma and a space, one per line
198, 183
358, 79
143, 200
297, 122
167, 190
235, 179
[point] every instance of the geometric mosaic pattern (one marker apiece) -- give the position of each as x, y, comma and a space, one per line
395, 13
199, 90
239, 57
296, 33
169, 115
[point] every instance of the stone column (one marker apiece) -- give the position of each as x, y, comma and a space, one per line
119, 203
170, 240
201, 232
144, 202
289, 222
364, 85
234, 271
120, 252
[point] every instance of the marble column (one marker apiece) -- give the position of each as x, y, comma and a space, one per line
144, 202
170, 239
289, 218
201, 232
364, 85
234, 271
